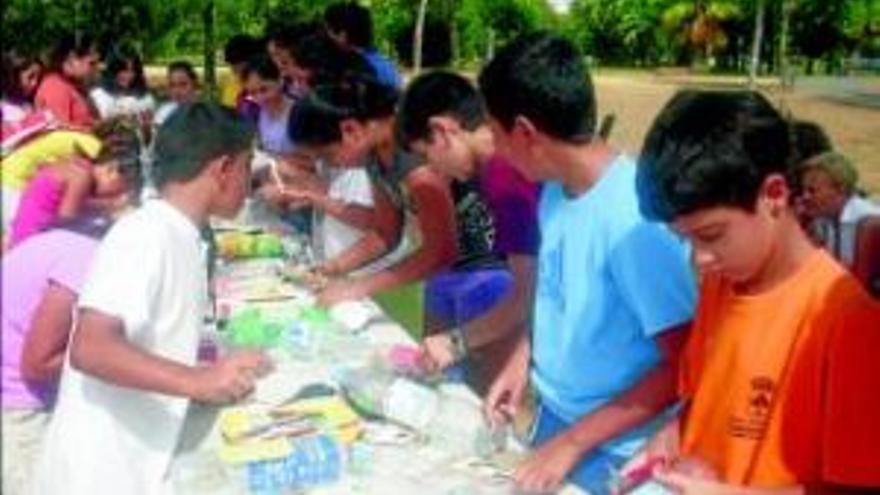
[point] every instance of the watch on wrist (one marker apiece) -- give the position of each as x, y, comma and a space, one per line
459, 344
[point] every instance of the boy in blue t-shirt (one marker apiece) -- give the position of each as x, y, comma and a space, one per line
615, 292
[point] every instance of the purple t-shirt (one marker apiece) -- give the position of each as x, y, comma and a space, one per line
57, 256
513, 202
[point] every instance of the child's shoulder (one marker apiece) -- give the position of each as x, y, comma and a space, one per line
822, 287
141, 224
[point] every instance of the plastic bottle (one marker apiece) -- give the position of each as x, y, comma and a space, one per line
314, 461
452, 423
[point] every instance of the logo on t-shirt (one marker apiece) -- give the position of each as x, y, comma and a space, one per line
752, 421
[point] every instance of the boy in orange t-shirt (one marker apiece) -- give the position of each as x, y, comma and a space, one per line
780, 377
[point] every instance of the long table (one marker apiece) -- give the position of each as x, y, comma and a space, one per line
415, 467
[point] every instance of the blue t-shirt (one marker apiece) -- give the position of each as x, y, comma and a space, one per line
608, 282
386, 72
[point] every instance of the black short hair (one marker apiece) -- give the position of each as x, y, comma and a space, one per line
240, 48
543, 77
288, 35
14, 63
315, 120
262, 66
119, 58
185, 67
353, 20
809, 140
708, 149
193, 135
79, 44
437, 93
328, 62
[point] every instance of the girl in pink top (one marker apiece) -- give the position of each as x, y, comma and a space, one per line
63, 191
73, 65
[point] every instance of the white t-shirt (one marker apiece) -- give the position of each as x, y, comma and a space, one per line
163, 112
840, 238
151, 273
109, 105
351, 186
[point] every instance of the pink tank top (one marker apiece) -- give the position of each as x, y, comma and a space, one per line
39, 205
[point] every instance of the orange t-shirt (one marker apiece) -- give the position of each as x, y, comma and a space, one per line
784, 386
65, 101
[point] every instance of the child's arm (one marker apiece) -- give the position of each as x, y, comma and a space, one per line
436, 220
77, 183
370, 247
508, 315
358, 216
46, 341
656, 391
99, 348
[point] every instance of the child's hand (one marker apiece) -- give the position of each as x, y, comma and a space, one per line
298, 198
661, 450
506, 394
272, 194
691, 476
438, 352
339, 291
231, 378
546, 469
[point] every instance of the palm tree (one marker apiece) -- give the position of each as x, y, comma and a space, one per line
699, 24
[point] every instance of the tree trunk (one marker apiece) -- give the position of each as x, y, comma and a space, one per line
455, 34
490, 44
756, 44
786, 78
418, 37
210, 50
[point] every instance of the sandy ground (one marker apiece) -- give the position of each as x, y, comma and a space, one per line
848, 110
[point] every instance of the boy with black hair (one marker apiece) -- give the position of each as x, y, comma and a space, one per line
779, 374
131, 368
479, 310
614, 292
351, 25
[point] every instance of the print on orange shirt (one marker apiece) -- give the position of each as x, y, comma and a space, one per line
753, 423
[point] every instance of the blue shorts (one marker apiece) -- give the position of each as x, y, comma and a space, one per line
593, 472
457, 297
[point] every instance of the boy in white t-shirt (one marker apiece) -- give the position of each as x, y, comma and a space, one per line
132, 369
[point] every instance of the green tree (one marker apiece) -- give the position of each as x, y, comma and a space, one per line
702, 25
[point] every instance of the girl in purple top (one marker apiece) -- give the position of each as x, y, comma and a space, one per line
263, 83
41, 280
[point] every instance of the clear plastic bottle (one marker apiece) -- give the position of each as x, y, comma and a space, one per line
452, 423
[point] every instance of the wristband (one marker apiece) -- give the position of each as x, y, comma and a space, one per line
459, 344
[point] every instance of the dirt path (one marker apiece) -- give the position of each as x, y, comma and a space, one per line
844, 110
